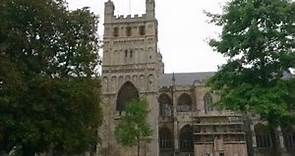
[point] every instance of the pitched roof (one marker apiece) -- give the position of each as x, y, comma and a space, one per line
183, 79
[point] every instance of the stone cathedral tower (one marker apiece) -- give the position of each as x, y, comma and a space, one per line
182, 115
131, 69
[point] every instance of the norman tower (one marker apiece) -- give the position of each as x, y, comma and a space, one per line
131, 69
182, 115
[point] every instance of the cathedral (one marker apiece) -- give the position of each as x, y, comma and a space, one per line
181, 114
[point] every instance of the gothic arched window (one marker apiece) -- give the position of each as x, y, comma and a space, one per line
208, 102
186, 139
165, 139
263, 136
289, 139
184, 103
126, 94
165, 105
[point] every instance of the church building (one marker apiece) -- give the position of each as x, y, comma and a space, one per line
181, 114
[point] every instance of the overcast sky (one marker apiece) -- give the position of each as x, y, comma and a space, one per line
183, 30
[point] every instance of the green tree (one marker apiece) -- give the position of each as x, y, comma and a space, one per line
49, 89
133, 127
258, 40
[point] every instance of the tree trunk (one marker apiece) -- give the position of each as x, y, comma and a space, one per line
138, 148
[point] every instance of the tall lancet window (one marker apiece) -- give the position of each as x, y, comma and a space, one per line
186, 139
165, 139
208, 102
165, 105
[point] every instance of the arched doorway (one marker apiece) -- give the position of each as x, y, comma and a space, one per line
127, 93
184, 103
186, 139
165, 105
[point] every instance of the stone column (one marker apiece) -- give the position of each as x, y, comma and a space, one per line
176, 134
175, 124
176, 143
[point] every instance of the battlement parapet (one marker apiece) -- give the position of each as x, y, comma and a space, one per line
129, 18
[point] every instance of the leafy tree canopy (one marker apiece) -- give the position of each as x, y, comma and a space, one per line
49, 90
258, 40
133, 127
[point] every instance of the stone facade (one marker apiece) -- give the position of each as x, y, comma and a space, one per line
182, 117
130, 60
